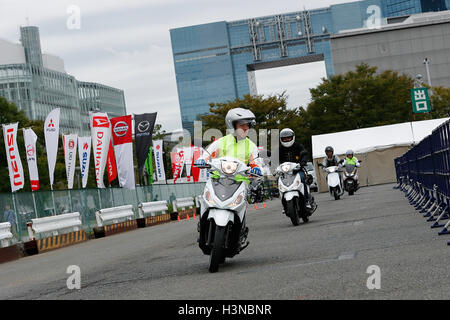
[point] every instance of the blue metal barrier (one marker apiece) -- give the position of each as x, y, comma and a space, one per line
423, 174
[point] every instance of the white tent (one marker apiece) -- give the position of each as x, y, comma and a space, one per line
374, 138
376, 146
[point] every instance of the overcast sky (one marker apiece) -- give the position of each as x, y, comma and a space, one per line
126, 44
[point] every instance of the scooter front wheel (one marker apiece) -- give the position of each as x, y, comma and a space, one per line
293, 212
336, 194
217, 253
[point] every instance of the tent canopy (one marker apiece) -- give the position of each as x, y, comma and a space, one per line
374, 138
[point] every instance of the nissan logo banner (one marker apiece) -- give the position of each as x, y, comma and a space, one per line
144, 124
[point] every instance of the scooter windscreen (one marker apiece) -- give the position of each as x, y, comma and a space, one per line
349, 168
225, 188
288, 179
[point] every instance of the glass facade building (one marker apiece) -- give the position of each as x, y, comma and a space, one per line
37, 83
216, 62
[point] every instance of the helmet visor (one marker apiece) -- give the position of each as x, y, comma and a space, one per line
287, 139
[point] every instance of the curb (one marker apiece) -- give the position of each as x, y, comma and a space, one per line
59, 241
11, 253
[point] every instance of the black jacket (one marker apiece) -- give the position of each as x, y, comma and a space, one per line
295, 153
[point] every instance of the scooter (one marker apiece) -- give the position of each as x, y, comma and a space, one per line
351, 183
222, 229
256, 191
292, 192
334, 181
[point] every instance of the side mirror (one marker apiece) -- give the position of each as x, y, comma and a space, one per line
360, 161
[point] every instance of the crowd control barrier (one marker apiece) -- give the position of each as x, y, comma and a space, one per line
180, 205
114, 214
5, 234
423, 174
151, 213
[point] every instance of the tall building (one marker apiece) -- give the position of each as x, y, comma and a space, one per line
216, 62
38, 83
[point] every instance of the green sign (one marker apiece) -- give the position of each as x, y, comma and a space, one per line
420, 100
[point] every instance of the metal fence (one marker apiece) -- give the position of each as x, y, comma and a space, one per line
423, 173
29, 205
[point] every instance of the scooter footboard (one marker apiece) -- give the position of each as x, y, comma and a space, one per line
221, 217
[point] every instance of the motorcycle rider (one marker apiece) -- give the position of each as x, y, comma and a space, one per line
331, 159
236, 144
291, 151
352, 160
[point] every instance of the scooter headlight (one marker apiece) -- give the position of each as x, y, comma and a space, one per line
229, 167
331, 169
208, 198
237, 201
285, 168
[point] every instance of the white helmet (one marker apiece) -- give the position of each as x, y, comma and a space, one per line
349, 152
287, 133
238, 115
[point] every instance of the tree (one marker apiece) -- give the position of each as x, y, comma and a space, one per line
440, 101
360, 99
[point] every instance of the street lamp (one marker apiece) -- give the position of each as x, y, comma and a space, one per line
418, 81
426, 62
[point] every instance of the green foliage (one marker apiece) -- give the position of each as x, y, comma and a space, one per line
440, 101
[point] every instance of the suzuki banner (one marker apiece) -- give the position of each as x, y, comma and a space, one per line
30, 146
15, 168
84, 154
101, 136
123, 148
159, 160
70, 153
51, 134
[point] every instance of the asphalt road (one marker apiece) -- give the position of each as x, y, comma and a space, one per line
326, 258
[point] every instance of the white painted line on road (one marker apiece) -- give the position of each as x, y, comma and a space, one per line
346, 256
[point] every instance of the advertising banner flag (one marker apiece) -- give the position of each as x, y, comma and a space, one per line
123, 148
188, 155
111, 163
101, 136
149, 165
159, 161
16, 176
30, 147
51, 134
143, 129
70, 154
177, 164
195, 155
84, 154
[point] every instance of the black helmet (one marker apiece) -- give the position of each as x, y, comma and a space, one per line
329, 148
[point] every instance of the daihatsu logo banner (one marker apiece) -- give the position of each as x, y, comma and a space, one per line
101, 136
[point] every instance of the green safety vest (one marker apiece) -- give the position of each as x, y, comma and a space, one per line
350, 161
229, 147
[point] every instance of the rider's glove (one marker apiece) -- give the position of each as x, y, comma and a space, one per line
257, 171
200, 162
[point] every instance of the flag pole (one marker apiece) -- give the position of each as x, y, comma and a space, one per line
17, 220
53, 199
34, 203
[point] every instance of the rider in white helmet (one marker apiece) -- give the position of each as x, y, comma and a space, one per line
236, 144
291, 151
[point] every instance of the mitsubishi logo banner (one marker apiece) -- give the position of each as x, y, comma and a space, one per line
30, 146
51, 133
123, 148
84, 154
16, 176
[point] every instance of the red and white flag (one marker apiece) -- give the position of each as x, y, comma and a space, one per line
70, 154
30, 147
111, 163
101, 136
123, 147
51, 133
15, 168
84, 153
177, 164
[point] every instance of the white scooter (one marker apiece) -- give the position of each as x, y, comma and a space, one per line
222, 229
292, 192
334, 181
